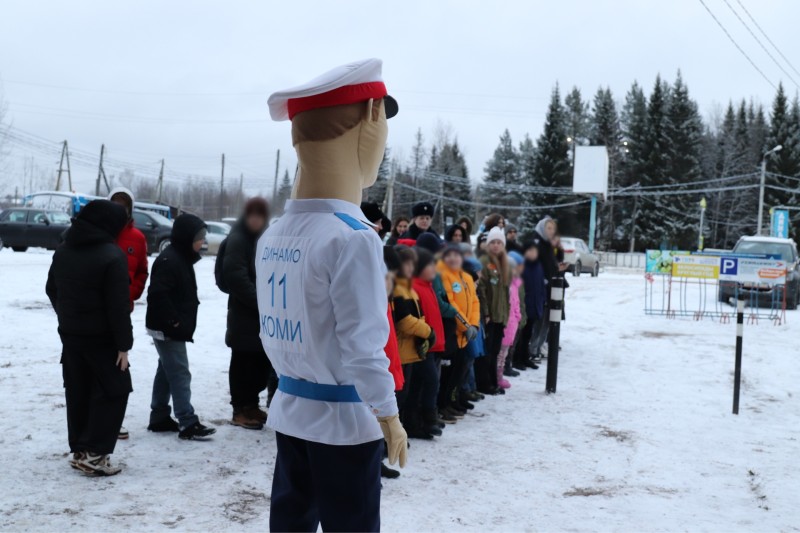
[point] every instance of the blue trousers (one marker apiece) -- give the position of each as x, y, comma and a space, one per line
338, 487
172, 379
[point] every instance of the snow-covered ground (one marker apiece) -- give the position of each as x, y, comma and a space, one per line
639, 437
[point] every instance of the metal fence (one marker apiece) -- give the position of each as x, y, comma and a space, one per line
702, 299
623, 259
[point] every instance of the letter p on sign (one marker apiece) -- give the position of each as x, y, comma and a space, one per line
729, 266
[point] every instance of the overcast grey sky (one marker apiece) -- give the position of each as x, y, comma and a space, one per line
188, 80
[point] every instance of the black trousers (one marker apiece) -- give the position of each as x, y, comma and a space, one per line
248, 376
97, 396
338, 487
486, 366
453, 377
522, 348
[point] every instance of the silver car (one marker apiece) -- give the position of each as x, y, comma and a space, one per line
217, 232
579, 258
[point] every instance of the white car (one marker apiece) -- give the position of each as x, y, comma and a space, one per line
579, 258
217, 232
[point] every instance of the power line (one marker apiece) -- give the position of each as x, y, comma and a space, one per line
737, 45
760, 43
767, 37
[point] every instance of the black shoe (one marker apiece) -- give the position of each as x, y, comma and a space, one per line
168, 425
491, 391
467, 406
531, 364
421, 434
447, 418
196, 431
473, 396
453, 412
501, 391
519, 366
389, 473
510, 373
436, 431
480, 396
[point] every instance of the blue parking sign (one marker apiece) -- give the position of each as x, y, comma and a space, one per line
780, 223
728, 266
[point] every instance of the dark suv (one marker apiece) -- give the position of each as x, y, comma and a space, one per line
25, 227
156, 229
768, 296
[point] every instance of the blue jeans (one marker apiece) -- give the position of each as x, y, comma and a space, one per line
172, 379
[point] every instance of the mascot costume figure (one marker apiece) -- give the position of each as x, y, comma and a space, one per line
322, 306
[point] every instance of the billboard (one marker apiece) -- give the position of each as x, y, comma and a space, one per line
749, 270
696, 266
660, 261
590, 174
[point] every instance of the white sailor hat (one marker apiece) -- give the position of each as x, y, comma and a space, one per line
348, 84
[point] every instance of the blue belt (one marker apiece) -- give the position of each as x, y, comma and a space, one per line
318, 391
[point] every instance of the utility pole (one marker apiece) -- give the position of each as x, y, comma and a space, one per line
241, 191
64, 156
390, 194
160, 185
222, 189
762, 186
101, 173
441, 203
275, 184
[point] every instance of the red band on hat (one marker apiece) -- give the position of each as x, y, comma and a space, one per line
349, 94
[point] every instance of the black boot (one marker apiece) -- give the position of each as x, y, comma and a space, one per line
431, 421
389, 473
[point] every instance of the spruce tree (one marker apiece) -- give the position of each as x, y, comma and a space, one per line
284, 193
449, 172
634, 125
785, 131
501, 180
685, 133
552, 164
605, 131
526, 158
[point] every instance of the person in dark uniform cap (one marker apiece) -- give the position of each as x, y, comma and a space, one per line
422, 218
375, 215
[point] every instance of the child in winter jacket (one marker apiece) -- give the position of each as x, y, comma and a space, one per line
516, 318
425, 385
392, 262
493, 293
533, 333
463, 296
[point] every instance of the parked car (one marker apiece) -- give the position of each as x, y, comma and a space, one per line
579, 258
23, 227
764, 295
217, 232
156, 229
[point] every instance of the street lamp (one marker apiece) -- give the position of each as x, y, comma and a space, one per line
703, 206
761, 188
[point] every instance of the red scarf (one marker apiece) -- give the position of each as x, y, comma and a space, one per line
430, 308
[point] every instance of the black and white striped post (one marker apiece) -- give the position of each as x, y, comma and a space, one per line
737, 374
556, 310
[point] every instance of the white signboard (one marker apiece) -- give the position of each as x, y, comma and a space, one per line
747, 270
590, 174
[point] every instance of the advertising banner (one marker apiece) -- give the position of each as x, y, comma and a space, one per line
780, 223
746, 270
696, 266
660, 261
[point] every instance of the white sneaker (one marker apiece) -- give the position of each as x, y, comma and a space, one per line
123, 434
74, 458
96, 465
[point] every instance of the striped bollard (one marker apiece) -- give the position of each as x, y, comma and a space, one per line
737, 374
556, 309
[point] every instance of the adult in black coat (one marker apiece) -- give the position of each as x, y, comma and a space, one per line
171, 320
422, 218
88, 286
542, 237
250, 370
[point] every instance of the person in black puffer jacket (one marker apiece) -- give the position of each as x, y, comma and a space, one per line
250, 370
88, 286
171, 320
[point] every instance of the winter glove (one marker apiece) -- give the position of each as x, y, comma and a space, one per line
396, 439
423, 347
432, 338
471, 333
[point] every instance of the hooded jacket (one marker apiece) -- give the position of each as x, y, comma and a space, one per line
409, 321
535, 289
493, 292
393, 353
172, 297
462, 295
88, 282
239, 271
134, 245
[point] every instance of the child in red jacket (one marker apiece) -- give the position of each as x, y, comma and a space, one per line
134, 245
425, 385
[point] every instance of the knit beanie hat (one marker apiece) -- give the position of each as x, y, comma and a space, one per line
496, 234
429, 242
424, 259
516, 257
